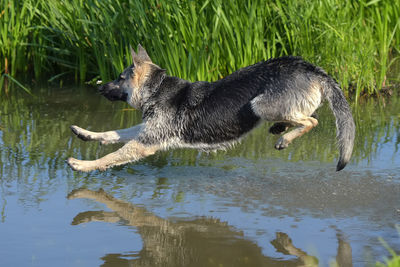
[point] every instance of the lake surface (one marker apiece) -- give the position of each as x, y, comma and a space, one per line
248, 206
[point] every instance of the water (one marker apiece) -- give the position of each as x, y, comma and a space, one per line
248, 206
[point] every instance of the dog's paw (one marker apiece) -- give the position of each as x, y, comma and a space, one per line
105, 142
81, 133
79, 165
282, 143
73, 164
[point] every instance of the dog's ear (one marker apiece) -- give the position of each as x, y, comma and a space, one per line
143, 54
140, 57
135, 57
133, 53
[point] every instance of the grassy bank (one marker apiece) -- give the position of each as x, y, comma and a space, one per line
355, 41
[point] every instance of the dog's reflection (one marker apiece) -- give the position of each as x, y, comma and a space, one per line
199, 242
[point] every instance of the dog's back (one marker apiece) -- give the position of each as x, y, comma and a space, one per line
228, 108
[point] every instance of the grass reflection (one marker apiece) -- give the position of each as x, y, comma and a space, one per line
35, 134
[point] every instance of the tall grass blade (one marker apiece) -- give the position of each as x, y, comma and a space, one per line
18, 83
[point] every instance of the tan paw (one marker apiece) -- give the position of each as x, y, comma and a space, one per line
282, 143
80, 165
81, 133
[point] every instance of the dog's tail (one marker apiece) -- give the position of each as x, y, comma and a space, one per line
345, 128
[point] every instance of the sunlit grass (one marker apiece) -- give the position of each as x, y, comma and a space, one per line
394, 260
355, 41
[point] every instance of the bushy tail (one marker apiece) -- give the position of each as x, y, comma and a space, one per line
345, 128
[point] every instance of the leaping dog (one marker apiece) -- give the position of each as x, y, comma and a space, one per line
214, 115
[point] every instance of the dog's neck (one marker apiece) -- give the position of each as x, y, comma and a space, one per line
169, 88
171, 83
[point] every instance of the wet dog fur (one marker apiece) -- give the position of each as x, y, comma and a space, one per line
214, 115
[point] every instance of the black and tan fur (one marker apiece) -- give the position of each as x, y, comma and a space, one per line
214, 115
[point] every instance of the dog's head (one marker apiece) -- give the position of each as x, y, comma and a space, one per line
137, 82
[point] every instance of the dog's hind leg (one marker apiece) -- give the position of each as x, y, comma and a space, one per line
280, 127
109, 137
303, 124
130, 152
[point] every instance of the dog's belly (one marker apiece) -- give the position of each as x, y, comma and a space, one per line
220, 127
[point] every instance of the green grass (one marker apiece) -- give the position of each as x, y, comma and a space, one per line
355, 41
394, 261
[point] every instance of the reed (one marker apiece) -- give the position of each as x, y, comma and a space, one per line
394, 260
80, 40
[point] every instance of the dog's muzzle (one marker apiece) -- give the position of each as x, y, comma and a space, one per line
112, 92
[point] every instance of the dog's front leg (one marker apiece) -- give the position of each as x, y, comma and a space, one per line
109, 137
132, 151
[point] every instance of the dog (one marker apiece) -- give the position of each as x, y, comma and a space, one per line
214, 115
